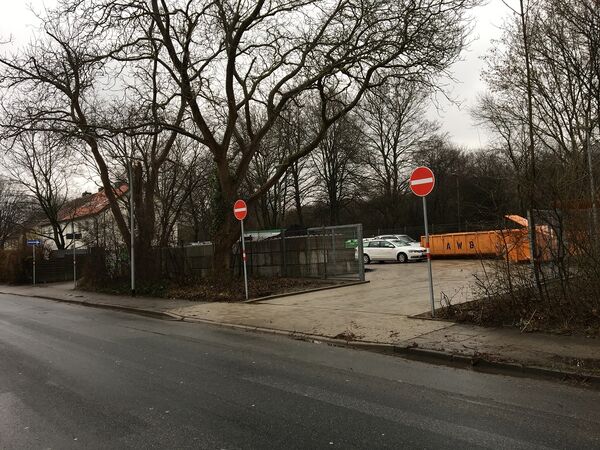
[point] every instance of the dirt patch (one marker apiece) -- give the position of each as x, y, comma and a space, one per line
580, 364
346, 335
212, 289
526, 314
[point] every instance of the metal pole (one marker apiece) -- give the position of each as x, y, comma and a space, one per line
431, 297
360, 250
324, 252
33, 247
333, 251
244, 259
132, 230
284, 254
74, 255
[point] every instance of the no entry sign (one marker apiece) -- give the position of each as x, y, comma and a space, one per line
240, 210
422, 181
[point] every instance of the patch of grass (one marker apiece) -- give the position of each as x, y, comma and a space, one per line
213, 289
123, 287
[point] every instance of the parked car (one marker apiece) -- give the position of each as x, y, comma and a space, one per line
392, 250
400, 237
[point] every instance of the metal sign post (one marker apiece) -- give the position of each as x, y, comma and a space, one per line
131, 230
34, 243
431, 296
33, 248
240, 211
74, 255
421, 183
244, 259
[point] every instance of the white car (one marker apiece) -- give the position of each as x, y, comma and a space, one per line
398, 237
393, 250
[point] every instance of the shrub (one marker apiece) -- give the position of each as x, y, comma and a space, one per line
15, 266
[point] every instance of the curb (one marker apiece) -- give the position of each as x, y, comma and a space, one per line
307, 291
476, 362
482, 364
146, 312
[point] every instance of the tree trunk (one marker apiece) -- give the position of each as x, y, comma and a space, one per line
223, 241
58, 237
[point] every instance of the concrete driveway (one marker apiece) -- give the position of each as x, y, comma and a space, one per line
394, 288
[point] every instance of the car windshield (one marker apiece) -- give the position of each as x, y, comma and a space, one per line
398, 242
406, 239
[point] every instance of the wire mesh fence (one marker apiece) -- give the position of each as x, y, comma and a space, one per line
323, 252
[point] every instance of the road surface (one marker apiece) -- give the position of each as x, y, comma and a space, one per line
77, 377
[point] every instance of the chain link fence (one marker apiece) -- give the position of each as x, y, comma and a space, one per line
323, 252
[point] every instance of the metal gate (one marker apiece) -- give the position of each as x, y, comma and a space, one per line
336, 252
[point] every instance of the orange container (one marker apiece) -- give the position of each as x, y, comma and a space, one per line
479, 243
511, 243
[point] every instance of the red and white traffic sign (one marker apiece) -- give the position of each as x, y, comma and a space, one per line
422, 181
240, 210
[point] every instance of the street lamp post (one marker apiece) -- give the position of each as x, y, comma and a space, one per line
131, 229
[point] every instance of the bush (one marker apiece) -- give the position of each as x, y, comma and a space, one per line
508, 296
15, 266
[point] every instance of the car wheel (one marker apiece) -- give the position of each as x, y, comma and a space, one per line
366, 259
402, 258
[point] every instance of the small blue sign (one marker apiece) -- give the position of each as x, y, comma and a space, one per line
33, 242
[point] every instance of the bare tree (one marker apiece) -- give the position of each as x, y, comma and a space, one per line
290, 192
337, 165
14, 209
394, 122
39, 161
338, 51
179, 179
197, 213
544, 78
292, 131
226, 59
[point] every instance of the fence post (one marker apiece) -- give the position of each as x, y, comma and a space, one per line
333, 251
307, 256
284, 254
324, 253
360, 251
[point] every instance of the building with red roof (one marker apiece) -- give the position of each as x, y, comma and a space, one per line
91, 219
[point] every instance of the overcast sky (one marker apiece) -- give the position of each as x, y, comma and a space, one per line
15, 19
456, 120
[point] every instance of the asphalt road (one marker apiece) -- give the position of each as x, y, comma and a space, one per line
77, 377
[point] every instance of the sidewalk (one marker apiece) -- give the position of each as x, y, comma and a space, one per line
331, 322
